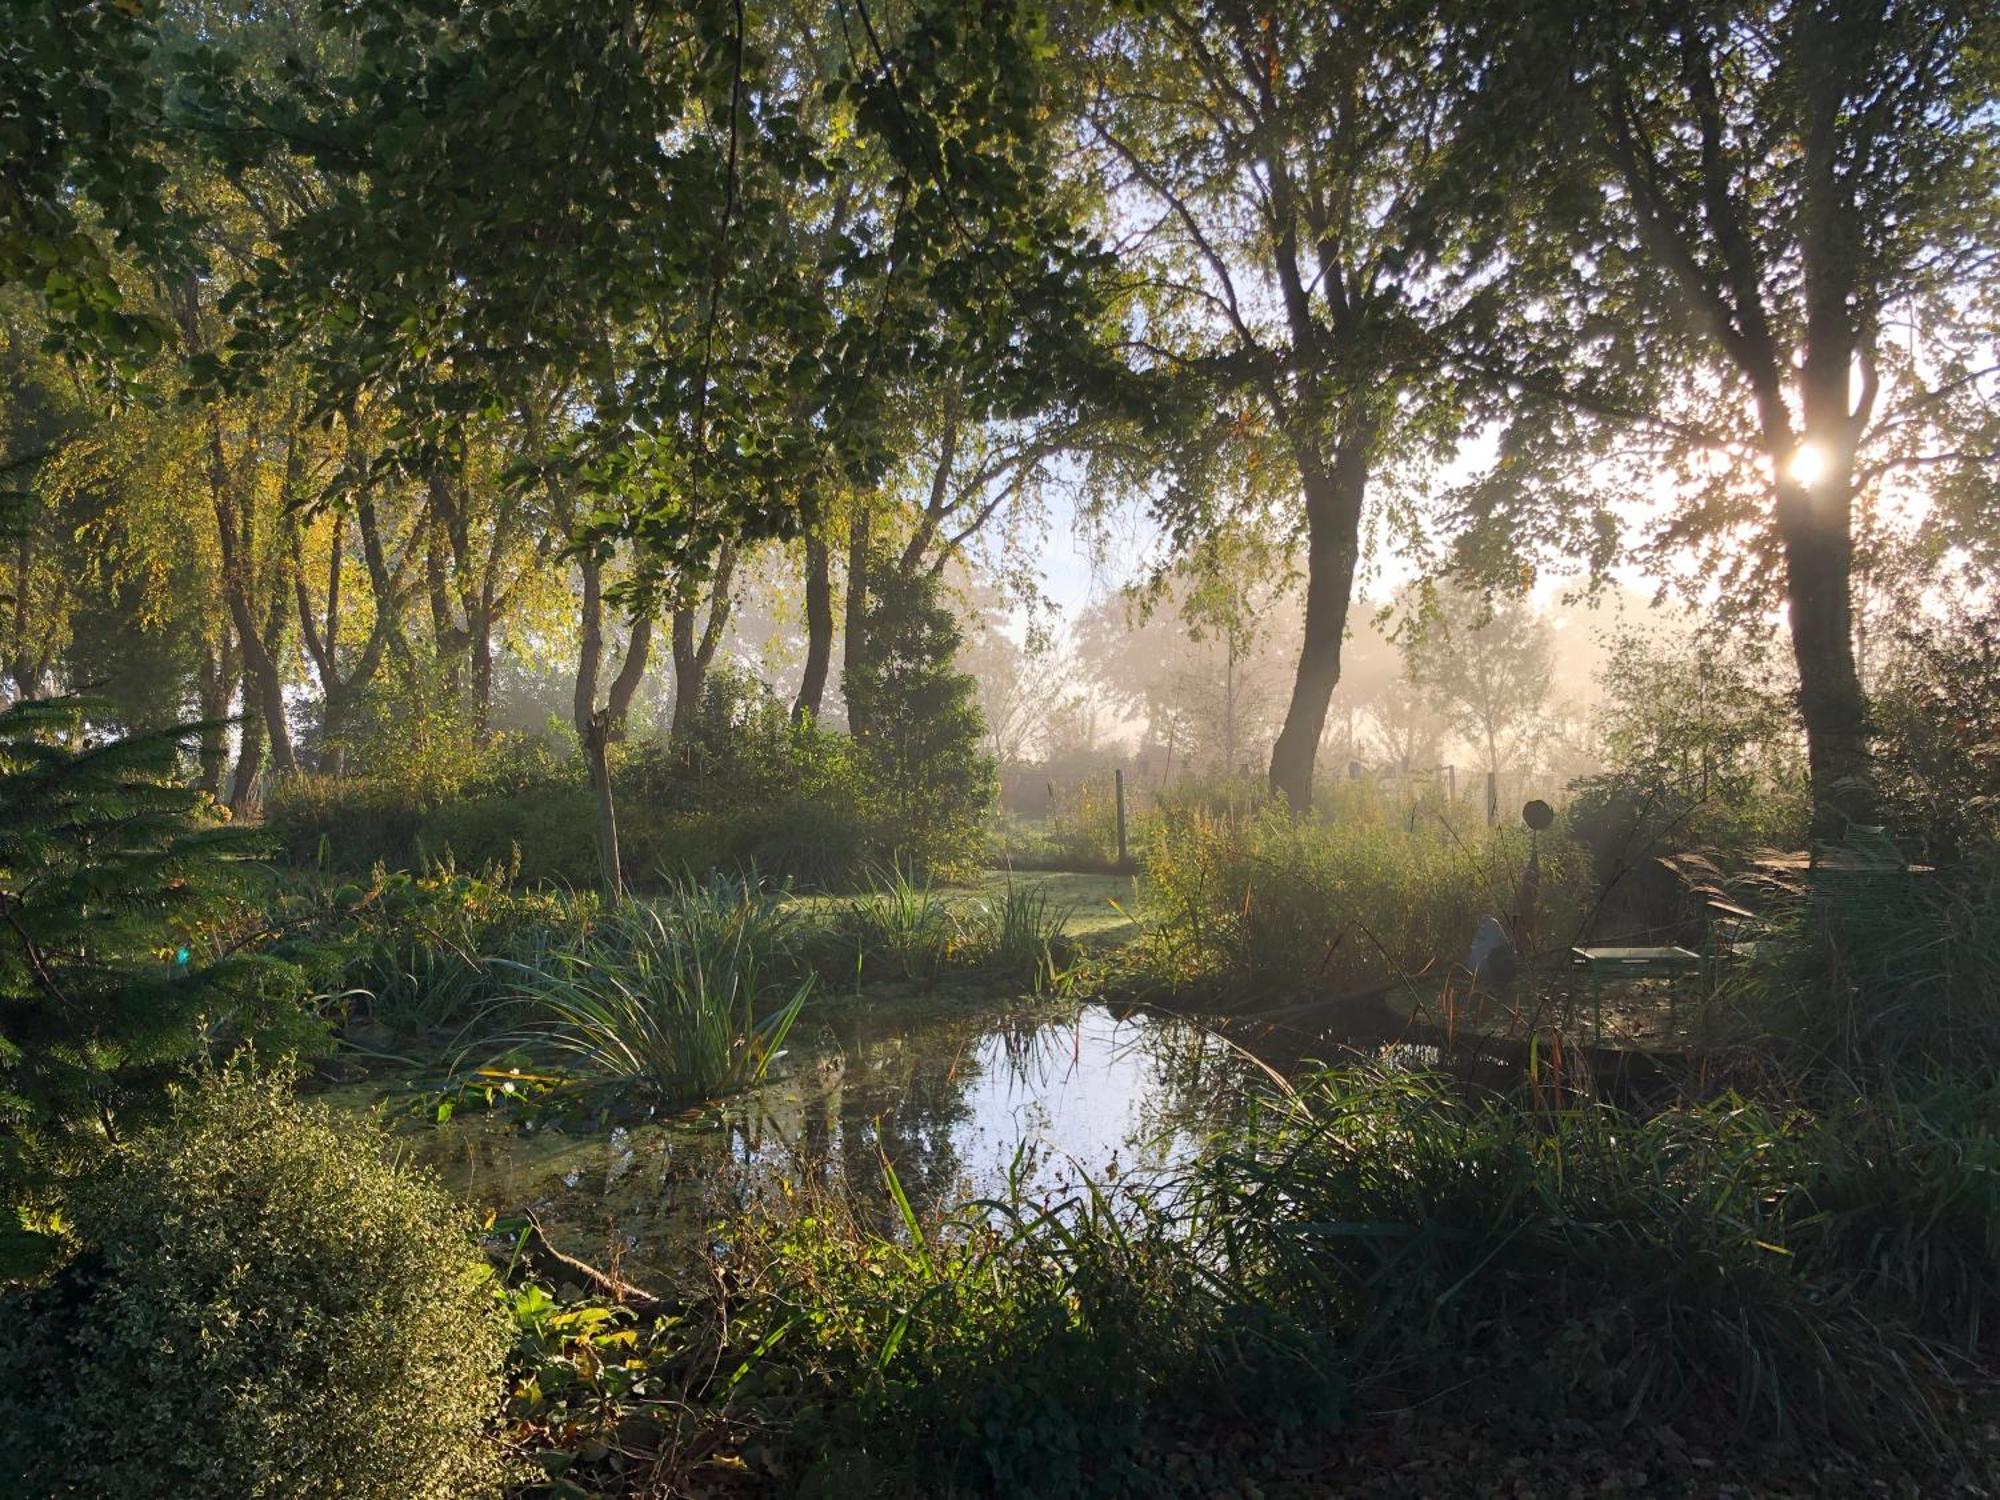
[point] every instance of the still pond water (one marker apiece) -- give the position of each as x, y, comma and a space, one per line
956, 1097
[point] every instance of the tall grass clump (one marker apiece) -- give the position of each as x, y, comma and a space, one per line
1008, 1348
1905, 1193
1898, 979
1271, 902
905, 927
679, 999
1024, 933
1703, 1261
1377, 1242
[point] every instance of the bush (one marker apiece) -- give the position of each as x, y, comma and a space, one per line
743, 787
263, 1307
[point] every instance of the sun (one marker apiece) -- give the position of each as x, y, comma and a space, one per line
1807, 466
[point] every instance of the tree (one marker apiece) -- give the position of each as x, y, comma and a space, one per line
921, 727
1234, 582
1696, 718
101, 852
1288, 156
1489, 666
1747, 197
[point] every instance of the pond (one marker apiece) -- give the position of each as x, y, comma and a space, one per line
957, 1097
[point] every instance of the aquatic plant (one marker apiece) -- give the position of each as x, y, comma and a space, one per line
904, 925
682, 998
1023, 934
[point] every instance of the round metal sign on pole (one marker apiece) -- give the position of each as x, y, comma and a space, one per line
1538, 815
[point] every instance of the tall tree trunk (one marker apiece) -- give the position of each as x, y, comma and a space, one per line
854, 647
212, 689
819, 628
1819, 560
1334, 498
249, 761
693, 657
482, 670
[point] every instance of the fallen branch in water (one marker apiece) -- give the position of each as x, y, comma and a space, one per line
621, 1291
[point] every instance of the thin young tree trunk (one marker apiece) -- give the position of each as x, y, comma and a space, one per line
819, 628
598, 727
212, 693
854, 649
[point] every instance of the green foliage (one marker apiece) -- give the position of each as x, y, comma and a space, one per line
1011, 1351
110, 874
678, 999
413, 729
83, 105
263, 1307
1703, 1259
744, 786
1268, 901
1937, 722
918, 726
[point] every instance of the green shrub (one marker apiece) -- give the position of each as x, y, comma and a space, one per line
1905, 1206
263, 1307
1937, 723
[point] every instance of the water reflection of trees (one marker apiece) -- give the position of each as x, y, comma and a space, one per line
901, 1096
927, 1089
